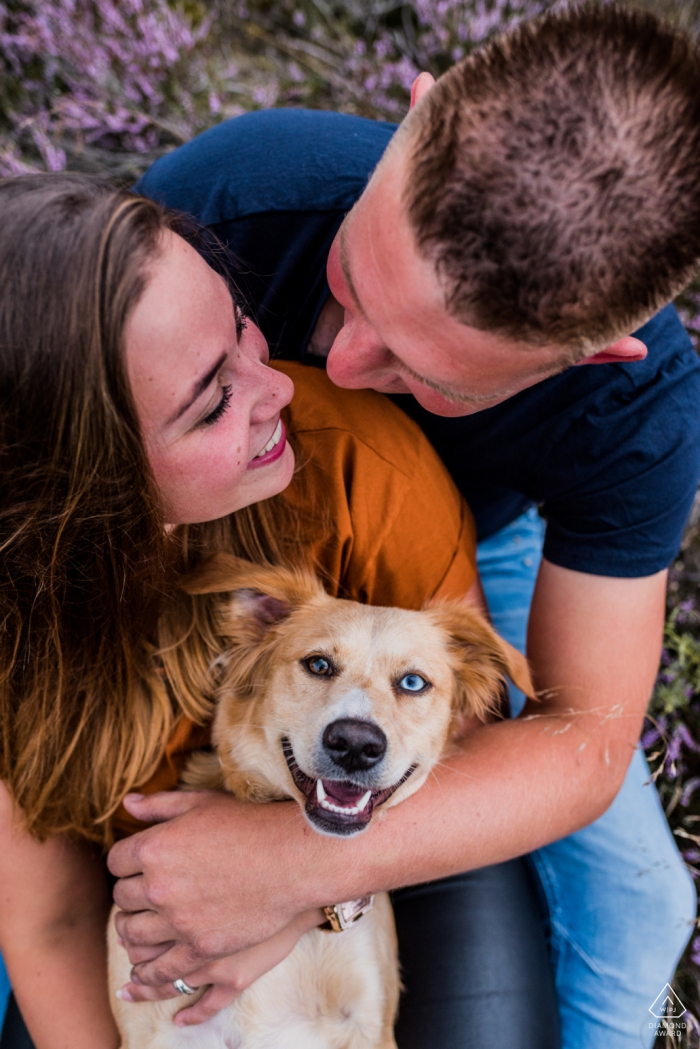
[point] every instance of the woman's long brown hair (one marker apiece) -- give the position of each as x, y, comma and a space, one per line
84, 562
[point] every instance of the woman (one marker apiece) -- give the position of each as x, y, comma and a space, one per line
140, 430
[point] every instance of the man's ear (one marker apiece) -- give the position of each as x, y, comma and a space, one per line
420, 86
621, 352
481, 660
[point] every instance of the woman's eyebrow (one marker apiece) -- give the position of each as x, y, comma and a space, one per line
198, 389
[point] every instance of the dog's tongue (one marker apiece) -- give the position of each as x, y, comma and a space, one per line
347, 794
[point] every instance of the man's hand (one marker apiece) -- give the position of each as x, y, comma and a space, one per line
219, 876
200, 885
226, 978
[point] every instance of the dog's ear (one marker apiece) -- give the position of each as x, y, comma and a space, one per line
259, 596
481, 660
260, 611
517, 668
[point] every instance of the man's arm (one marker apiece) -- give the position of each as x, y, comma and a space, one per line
222, 876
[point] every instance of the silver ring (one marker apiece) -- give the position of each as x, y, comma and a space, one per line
184, 988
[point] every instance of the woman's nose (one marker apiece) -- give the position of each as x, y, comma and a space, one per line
274, 392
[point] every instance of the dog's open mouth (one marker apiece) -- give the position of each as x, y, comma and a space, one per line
338, 806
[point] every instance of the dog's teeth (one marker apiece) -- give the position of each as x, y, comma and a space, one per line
344, 810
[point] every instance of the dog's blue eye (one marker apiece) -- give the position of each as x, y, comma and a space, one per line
413, 683
319, 665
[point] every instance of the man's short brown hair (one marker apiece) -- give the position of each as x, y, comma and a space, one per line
554, 177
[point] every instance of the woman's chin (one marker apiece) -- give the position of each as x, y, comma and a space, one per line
265, 481
252, 487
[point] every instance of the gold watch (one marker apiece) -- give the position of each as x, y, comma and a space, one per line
342, 915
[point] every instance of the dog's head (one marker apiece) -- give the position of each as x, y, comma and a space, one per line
342, 706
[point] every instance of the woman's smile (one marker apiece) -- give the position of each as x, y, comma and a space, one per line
273, 450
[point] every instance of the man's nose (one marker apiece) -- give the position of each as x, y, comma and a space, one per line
357, 358
354, 745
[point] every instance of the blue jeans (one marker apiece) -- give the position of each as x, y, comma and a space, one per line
621, 903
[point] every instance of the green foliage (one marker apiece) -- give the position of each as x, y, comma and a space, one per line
679, 679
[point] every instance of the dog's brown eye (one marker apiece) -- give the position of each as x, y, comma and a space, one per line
318, 665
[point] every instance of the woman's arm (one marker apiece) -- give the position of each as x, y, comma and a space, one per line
54, 903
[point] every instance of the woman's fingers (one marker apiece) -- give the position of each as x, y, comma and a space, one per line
213, 999
133, 992
226, 977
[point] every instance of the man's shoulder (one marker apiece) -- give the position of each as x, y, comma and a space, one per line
269, 160
665, 337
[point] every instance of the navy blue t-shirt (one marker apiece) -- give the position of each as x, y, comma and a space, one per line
611, 453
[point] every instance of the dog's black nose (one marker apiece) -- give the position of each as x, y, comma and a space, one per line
354, 745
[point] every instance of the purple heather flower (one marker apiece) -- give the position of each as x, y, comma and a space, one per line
110, 58
688, 790
650, 737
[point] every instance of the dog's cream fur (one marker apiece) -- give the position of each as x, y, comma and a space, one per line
334, 991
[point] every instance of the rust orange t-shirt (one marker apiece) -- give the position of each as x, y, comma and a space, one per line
395, 529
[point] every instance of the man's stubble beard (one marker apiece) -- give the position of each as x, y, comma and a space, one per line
478, 402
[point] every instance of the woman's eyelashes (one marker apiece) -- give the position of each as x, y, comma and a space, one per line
221, 407
226, 391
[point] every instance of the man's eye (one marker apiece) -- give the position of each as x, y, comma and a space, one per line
319, 665
413, 683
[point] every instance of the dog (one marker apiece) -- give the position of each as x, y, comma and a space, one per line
345, 708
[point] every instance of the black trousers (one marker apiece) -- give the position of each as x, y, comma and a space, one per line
474, 964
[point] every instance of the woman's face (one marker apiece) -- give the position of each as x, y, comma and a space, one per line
208, 405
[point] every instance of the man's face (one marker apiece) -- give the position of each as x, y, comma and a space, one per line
398, 336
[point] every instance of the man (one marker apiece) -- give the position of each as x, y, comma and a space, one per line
538, 204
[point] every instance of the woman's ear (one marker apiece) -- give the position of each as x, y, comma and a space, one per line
481, 660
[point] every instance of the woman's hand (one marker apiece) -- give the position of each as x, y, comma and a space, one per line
227, 977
